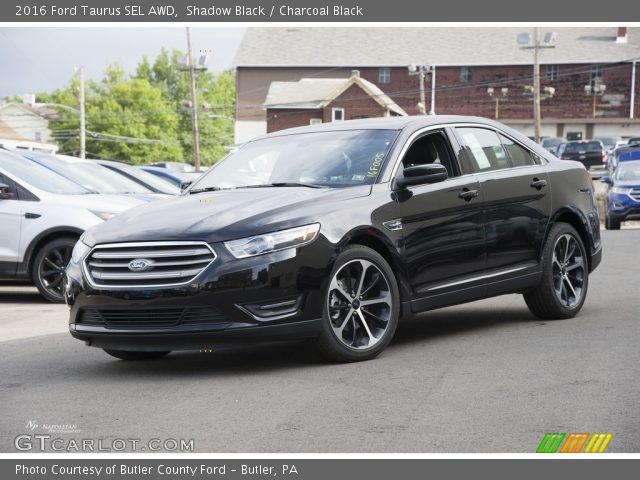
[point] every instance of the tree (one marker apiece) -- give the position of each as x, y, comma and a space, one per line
216, 103
146, 117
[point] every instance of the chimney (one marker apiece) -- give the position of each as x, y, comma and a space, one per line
355, 73
621, 36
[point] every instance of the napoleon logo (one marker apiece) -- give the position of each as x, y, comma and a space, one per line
140, 265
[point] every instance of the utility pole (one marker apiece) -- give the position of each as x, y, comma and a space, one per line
633, 90
194, 105
83, 133
536, 84
524, 40
421, 71
432, 110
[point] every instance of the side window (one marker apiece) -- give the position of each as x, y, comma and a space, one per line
520, 156
481, 150
431, 148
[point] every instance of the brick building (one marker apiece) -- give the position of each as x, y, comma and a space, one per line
321, 100
478, 71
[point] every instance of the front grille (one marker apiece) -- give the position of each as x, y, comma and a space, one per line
635, 194
162, 264
165, 317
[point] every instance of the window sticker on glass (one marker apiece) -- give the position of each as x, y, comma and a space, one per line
375, 165
476, 149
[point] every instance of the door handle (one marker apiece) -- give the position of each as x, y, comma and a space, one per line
468, 194
30, 215
538, 184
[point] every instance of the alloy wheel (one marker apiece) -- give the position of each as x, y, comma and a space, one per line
568, 270
51, 269
360, 304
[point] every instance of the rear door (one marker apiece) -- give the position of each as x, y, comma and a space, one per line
11, 216
516, 192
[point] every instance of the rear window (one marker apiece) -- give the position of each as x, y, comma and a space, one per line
583, 147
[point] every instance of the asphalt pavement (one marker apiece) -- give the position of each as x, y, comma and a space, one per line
481, 377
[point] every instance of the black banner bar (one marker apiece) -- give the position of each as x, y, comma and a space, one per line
227, 11
318, 469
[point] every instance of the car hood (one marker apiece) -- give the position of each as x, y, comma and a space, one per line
223, 215
97, 202
628, 184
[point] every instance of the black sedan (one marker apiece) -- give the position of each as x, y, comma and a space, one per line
334, 233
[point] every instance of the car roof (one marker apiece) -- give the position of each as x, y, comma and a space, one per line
385, 123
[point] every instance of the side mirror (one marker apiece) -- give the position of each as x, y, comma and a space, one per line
5, 192
608, 180
421, 174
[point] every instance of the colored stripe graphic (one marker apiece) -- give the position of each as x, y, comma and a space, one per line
598, 443
550, 442
574, 443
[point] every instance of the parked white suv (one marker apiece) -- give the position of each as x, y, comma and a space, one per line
42, 215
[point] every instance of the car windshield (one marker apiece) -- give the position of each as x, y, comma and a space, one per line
583, 147
92, 176
551, 142
608, 142
149, 179
333, 159
38, 176
628, 172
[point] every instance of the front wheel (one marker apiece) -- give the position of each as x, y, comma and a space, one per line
132, 355
48, 267
565, 276
361, 308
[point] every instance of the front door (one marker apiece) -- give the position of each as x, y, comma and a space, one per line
443, 233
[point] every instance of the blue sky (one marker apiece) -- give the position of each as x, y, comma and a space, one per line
36, 59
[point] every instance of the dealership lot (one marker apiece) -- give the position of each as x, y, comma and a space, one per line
482, 377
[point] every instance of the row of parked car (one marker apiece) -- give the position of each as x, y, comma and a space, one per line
47, 201
617, 163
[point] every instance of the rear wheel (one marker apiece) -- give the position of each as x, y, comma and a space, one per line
362, 307
48, 267
132, 355
565, 276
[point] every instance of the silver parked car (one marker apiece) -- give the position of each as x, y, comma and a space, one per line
42, 215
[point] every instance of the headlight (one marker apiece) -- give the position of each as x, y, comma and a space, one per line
272, 242
621, 190
79, 251
103, 215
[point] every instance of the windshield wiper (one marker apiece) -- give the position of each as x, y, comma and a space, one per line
205, 189
282, 184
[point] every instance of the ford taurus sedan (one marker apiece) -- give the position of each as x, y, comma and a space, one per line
334, 233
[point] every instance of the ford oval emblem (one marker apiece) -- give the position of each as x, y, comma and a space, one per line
140, 265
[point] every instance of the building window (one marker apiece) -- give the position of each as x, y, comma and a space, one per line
38, 136
384, 75
552, 72
465, 74
315, 121
337, 114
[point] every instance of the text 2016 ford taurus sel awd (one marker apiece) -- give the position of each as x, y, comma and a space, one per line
334, 232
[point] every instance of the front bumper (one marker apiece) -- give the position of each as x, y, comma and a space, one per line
272, 296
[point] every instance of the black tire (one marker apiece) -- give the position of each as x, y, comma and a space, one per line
131, 355
546, 301
611, 224
378, 287
47, 271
